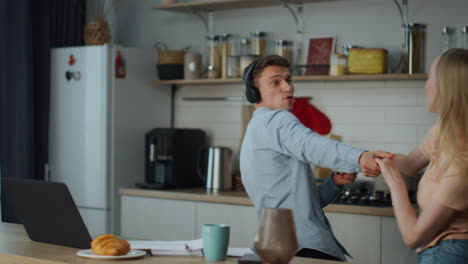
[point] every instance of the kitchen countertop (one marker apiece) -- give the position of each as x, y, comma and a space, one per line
241, 198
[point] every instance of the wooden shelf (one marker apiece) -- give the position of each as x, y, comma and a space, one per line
219, 5
354, 77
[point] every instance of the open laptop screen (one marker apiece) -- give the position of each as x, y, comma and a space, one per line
47, 211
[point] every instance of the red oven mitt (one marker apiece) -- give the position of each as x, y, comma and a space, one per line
310, 116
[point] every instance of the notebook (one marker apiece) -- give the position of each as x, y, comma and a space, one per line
47, 211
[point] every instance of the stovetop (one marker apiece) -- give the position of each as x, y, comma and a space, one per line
364, 198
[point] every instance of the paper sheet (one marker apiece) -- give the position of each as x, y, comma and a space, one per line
181, 248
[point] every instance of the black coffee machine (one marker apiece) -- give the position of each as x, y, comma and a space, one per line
171, 156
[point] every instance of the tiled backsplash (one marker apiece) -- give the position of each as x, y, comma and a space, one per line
387, 115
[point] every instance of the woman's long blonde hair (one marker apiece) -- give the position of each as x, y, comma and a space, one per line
451, 102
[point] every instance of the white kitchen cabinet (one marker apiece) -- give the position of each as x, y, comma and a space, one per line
369, 239
393, 248
157, 219
359, 234
242, 219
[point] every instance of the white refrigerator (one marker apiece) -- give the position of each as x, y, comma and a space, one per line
98, 123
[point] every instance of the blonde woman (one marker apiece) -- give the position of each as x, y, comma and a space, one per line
440, 232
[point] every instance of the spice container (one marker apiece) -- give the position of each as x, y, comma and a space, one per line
337, 64
283, 48
258, 40
214, 59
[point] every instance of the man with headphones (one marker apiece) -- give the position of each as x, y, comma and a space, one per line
275, 156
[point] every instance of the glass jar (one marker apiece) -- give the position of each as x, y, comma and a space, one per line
338, 64
464, 37
447, 40
245, 60
258, 40
233, 66
224, 53
244, 47
283, 48
213, 57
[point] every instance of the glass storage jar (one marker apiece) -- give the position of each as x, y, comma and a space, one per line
213, 57
258, 40
244, 47
224, 52
283, 48
338, 64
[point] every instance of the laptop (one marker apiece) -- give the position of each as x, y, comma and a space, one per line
47, 211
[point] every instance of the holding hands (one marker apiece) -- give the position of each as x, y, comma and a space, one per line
390, 172
368, 162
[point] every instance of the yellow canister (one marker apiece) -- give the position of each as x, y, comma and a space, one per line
367, 60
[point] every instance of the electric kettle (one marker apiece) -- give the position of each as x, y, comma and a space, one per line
218, 173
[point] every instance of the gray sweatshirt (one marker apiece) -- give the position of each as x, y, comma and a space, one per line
275, 170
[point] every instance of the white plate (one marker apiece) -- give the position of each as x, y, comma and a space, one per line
88, 253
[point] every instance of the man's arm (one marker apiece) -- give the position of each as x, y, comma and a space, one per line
285, 134
328, 191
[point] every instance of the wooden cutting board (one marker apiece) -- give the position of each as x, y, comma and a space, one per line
14, 259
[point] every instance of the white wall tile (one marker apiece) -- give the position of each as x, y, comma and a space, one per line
355, 115
378, 133
416, 115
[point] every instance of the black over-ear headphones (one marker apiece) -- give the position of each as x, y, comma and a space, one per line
251, 92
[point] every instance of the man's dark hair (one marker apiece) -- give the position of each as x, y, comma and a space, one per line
269, 60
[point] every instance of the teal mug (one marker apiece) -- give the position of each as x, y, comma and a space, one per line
215, 241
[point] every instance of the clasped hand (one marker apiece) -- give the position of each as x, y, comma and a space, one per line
368, 163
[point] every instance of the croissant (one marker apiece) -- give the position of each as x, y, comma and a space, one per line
111, 245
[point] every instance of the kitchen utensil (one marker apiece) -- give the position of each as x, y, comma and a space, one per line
217, 173
276, 240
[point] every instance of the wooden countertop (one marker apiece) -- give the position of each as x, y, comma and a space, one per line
241, 198
16, 247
